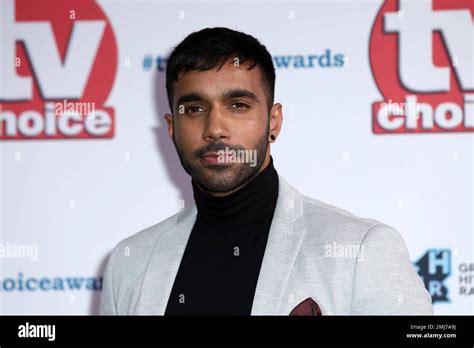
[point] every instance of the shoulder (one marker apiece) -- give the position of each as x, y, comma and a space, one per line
330, 222
127, 263
365, 253
324, 222
133, 252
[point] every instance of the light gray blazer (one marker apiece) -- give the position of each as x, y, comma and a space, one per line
347, 264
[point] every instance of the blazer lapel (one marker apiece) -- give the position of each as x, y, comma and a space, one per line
163, 265
283, 243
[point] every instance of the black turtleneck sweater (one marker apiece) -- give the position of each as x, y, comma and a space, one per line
219, 270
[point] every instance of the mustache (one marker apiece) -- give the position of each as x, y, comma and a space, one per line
214, 147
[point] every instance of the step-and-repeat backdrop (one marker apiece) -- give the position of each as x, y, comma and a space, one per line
378, 119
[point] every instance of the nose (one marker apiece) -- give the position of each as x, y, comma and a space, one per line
216, 128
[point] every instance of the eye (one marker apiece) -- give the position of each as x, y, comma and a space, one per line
239, 105
193, 109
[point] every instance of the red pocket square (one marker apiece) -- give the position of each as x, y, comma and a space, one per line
307, 307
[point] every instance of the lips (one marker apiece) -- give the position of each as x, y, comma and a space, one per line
211, 158
210, 154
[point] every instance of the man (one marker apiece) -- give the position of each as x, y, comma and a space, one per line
252, 244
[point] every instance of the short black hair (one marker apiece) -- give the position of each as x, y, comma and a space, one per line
211, 48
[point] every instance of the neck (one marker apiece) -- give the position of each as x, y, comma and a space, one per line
243, 207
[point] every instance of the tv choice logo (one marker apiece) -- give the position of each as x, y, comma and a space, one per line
58, 68
422, 60
434, 267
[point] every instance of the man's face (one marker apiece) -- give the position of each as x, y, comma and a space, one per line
213, 110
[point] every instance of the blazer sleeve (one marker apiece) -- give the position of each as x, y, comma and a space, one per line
107, 298
385, 281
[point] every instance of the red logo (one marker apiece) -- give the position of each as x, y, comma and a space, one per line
422, 55
58, 65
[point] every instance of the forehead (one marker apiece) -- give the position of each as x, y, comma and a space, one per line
212, 83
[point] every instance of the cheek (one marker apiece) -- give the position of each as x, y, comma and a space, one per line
187, 134
251, 129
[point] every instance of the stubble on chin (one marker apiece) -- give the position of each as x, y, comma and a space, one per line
220, 179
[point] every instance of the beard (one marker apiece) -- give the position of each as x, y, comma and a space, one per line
222, 178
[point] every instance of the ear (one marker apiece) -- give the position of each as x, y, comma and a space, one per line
169, 121
276, 119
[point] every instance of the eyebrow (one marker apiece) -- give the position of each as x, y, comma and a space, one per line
228, 94
239, 93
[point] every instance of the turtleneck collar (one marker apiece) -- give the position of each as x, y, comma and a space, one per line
249, 206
